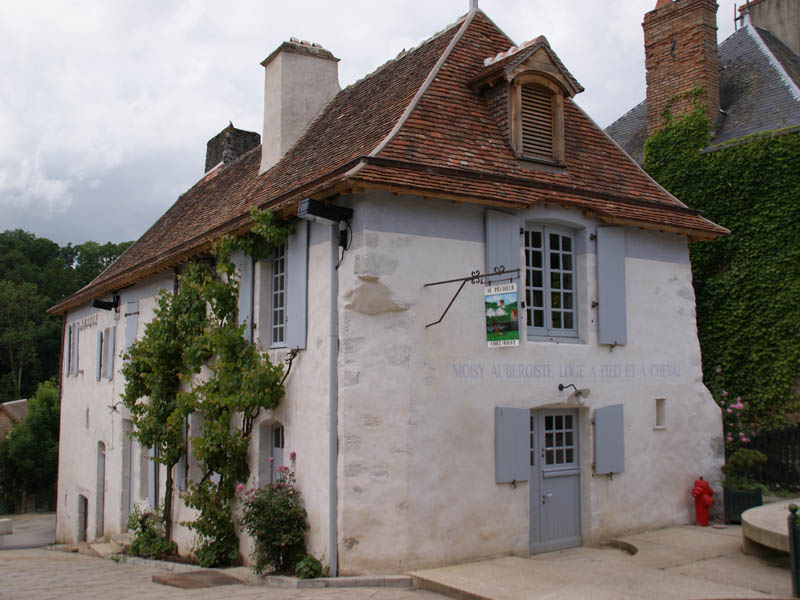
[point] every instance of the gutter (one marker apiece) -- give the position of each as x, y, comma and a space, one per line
333, 408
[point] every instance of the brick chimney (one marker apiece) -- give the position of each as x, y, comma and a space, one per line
228, 145
300, 79
680, 47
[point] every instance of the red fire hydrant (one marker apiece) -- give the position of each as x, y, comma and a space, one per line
703, 500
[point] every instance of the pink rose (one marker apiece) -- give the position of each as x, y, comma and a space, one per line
729, 410
724, 393
271, 458
240, 487
745, 439
292, 456
730, 437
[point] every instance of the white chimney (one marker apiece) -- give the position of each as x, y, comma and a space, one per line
300, 79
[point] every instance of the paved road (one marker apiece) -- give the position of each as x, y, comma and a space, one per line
30, 531
48, 574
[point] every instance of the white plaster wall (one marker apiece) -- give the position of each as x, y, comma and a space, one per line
417, 405
77, 468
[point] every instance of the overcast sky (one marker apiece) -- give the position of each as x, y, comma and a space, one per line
106, 106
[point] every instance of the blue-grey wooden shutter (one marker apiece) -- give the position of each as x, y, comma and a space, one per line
68, 357
502, 241
110, 350
297, 286
99, 355
180, 468
152, 478
76, 351
244, 265
612, 325
512, 428
131, 323
609, 440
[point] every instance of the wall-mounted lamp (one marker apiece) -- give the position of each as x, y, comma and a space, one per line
327, 213
576, 397
104, 305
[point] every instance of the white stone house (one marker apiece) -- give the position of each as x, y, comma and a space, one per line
421, 445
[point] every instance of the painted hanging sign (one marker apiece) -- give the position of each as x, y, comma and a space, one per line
502, 315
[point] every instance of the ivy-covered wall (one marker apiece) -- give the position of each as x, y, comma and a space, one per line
748, 283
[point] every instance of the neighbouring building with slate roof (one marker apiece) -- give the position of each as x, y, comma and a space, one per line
529, 410
758, 81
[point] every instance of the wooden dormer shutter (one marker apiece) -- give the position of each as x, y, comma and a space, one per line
536, 113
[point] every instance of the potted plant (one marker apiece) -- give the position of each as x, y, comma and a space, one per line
740, 490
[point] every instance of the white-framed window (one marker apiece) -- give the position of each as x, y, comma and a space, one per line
550, 282
277, 305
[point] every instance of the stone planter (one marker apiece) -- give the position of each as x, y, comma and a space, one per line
738, 501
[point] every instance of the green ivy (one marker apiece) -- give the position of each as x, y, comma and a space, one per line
747, 284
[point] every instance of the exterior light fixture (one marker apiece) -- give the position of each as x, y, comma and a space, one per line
576, 397
105, 305
323, 212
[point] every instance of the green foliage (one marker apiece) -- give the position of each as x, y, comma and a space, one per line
742, 467
35, 273
194, 358
747, 284
149, 540
277, 521
29, 453
308, 567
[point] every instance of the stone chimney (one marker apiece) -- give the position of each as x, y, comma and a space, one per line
300, 79
680, 47
228, 145
780, 17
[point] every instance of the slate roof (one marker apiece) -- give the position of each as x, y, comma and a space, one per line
753, 92
414, 125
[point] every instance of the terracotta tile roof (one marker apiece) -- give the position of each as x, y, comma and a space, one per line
413, 124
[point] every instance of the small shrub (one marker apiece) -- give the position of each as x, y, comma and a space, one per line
308, 567
742, 467
276, 519
149, 540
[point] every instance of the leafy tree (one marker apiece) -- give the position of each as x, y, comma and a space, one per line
23, 328
29, 453
53, 272
193, 358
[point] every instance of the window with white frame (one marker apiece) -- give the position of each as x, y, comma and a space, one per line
550, 299
277, 310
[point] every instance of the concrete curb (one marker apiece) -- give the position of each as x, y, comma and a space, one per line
278, 581
164, 565
282, 581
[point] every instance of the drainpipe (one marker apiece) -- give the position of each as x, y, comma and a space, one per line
333, 408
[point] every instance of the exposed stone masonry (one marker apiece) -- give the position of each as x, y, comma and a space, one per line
228, 145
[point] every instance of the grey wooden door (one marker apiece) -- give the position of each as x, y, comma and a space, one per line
555, 481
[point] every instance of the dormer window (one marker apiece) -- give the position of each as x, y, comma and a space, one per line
537, 108
536, 83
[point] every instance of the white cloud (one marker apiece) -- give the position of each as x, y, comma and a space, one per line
92, 93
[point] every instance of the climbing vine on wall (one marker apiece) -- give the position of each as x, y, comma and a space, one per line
193, 358
747, 284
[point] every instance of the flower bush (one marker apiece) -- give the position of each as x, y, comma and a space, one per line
737, 423
276, 519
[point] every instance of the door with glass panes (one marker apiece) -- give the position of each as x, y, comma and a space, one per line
555, 480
